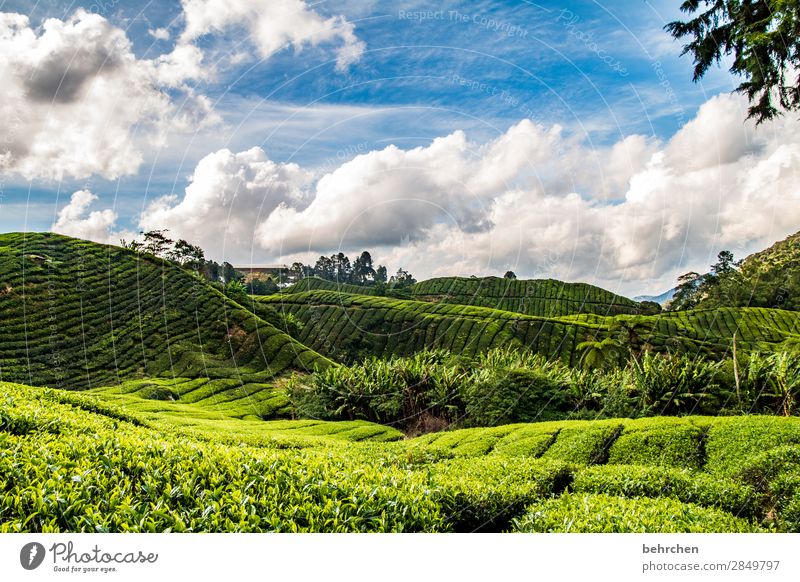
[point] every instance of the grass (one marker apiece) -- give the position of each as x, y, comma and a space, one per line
184, 420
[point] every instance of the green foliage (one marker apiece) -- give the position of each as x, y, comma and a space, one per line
485, 494
732, 441
657, 481
87, 315
349, 327
585, 443
598, 513
770, 278
100, 462
776, 472
401, 391
677, 384
656, 442
762, 40
505, 396
544, 298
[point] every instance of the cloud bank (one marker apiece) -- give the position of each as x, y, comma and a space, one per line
628, 215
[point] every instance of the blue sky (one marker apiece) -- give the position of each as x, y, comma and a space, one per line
601, 71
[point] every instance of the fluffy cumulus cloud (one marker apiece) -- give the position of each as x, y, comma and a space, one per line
74, 94
229, 194
76, 220
629, 215
273, 25
78, 102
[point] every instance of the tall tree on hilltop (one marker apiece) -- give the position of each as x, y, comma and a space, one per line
363, 270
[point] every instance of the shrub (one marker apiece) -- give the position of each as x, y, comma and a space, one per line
485, 494
677, 384
585, 444
503, 397
653, 442
687, 486
776, 472
733, 441
598, 513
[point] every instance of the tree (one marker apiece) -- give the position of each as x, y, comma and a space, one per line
509, 275
324, 268
297, 270
134, 245
186, 253
764, 38
229, 274
402, 278
686, 294
725, 264
156, 242
341, 267
265, 286
235, 290
363, 270
381, 274
211, 270
629, 331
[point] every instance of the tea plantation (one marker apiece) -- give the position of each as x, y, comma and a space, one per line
136, 396
346, 326
539, 297
75, 462
77, 314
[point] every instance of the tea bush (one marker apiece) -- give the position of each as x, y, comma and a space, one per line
686, 486
599, 513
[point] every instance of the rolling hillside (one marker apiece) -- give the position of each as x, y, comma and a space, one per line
537, 297
347, 327
77, 314
317, 284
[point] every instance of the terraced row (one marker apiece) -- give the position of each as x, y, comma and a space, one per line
75, 463
345, 327
537, 297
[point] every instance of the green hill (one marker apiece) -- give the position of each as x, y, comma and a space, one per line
317, 284
78, 314
347, 327
538, 297
771, 278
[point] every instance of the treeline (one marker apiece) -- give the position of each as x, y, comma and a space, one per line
337, 268
182, 252
770, 279
362, 271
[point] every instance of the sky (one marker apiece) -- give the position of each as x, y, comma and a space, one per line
563, 140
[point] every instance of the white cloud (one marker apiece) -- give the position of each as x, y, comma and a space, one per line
629, 216
75, 220
273, 25
159, 33
227, 197
75, 97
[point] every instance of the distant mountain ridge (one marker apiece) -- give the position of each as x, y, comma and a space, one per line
662, 299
